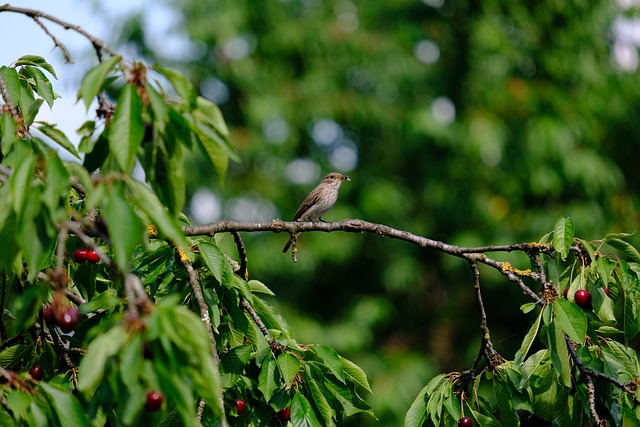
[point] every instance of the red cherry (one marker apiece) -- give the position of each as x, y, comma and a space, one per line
583, 298
36, 372
80, 255
154, 401
93, 257
465, 422
283, 415
566, 293
607, 291
240, 406
48, 315
68, 319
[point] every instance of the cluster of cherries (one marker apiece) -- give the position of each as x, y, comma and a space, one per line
88, 255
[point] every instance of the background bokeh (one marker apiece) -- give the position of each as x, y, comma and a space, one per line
470, 122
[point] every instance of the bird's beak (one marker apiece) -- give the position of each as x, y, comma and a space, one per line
346, 178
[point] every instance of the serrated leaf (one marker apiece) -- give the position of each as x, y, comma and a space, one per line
42, 84
125, 228
66, 406
559, 353
417, 413
127, 128
94, 80
625, 247
563, 236
302, 413
216, 262
313, 379
20, 182
504, 398
58, 137
267, 378
330, 358
151, 206
9, 132
571, 319
36, 61
181, 84
528, 341
12, 83
259, 287
92, 365
289, 366
57, 187
355, 373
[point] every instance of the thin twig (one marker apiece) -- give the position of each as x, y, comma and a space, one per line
33, 13
62, 47
245, 304
194, 281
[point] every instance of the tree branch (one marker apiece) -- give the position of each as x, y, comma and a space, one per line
194, 281
35, 14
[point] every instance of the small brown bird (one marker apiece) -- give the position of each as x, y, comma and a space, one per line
318, 202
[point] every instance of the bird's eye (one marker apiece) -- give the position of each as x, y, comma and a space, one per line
332, 176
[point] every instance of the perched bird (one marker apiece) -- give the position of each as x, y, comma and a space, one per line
318, 202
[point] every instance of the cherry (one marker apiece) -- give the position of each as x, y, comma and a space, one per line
49, 317
154, 401
68, 319
80, 255
93, 257
566, 293
283, 415
465, 422
240, 406
606, 291
36, 372
583, 298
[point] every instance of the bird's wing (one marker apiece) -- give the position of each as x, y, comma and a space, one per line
311, 200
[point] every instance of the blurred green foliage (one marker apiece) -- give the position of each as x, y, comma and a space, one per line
469, 122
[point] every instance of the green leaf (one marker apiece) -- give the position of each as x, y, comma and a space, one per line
259, 287
12, 82
28, 305
11, 356
42, 84
127, 129
527, 342
125, 228
571, 318
36, 61
216, 262
627, 248
289, 366
58, 137
331, 359
158, 215
268, 381
302, 413
319, 393
563, 236
559, 353
355, 373
57, 187
66, 406
183, 87
92, 366
20, 182
502, 390
9, 132
93, 81
417, 413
